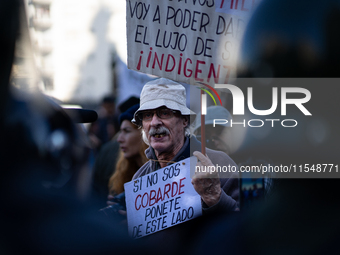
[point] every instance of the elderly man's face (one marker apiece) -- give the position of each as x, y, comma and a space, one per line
165, 136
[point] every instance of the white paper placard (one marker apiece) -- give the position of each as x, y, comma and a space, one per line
162, 199
191, 41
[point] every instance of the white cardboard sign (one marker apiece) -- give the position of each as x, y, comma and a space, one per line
191, 41
161, 199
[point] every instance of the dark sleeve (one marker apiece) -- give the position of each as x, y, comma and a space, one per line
103, 169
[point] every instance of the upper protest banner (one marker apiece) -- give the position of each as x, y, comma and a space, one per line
190, 41
162, 199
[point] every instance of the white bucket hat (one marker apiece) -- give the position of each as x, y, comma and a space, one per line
162, 92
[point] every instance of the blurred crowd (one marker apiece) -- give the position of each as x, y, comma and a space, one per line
60, 181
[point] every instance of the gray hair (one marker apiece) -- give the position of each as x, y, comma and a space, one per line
186, 133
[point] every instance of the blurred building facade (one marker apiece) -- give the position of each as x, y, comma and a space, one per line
75, 51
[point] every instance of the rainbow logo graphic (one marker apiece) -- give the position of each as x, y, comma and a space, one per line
212, 89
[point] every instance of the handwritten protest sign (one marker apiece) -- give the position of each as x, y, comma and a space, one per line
189, 41
161, 199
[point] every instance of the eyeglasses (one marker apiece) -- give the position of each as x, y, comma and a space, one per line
162, 113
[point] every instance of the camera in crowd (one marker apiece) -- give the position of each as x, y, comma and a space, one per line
112, 210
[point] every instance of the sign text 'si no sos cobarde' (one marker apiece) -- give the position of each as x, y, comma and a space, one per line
161, 199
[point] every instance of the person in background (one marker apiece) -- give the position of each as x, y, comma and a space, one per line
215, 135
131, 156
104, 129
106, 159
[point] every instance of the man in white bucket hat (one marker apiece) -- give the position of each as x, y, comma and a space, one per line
164, 118
167, 99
